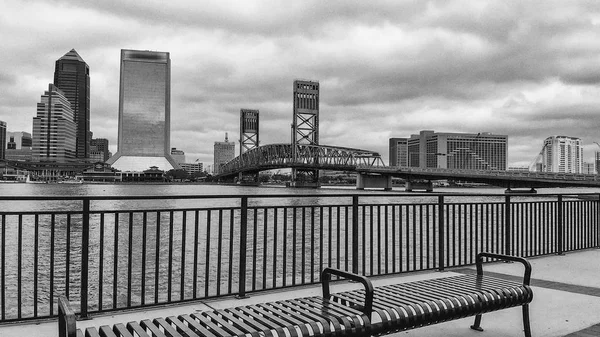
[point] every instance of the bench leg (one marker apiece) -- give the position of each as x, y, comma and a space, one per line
526, 324
477, 324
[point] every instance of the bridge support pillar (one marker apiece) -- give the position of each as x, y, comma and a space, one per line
410, 186
373, 181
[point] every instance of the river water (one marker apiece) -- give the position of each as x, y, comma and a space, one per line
27, 268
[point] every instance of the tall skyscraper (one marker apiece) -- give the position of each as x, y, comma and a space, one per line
2, 140
562, 154
72, 76
224, 152
54, 129
144, 112
468, 151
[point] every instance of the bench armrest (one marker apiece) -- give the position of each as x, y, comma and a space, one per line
526, 264
326, 278
67, 326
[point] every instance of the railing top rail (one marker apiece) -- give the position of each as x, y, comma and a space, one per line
281, 195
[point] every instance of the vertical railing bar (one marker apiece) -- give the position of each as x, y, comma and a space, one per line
559, 222
67, 259
36, 236
387, 241
157, 257
364, 239
441, 227
355, 237
115, 262
462, 222
407, 213
130, 259
321, 239
52, 239
312, 244
254, 246
285, 252
469, 251
20, 266
454, 241
400, 241
85, 257
183, 254
346, 237
507, 225
207, 255
170, 259
101, 264
427, 233
371, 243
219, 251
275, 232
394, 239
144, 253
330, 237
231, 243
294, 214
196, 243
379, 240
243, 246
421, 220
3, 276
303, 247
265, 247
337, 243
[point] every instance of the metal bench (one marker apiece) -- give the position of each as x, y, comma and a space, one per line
364, 312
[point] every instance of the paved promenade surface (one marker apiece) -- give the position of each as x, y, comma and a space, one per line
566, 302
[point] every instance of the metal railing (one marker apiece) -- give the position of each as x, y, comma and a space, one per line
114, 253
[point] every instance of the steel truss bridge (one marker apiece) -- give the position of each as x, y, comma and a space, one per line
318, 157
369, 163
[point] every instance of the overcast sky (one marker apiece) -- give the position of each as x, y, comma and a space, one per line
528, 69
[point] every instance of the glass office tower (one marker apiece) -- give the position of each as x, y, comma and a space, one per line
144, 112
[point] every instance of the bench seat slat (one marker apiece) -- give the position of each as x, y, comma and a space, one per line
135, 327
244, 324
305, 320
121, 331
106, 331
214, 317
167, 327
292, 319
269, 321
180, 326
147, 324
198, 328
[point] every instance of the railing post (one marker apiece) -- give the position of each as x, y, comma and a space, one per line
507, 225
85, 245
441, 242
355, 234
243, 246
559, 225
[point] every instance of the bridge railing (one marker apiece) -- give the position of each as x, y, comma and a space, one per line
115, 253
499, 173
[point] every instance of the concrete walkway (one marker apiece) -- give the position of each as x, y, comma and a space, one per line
566, 302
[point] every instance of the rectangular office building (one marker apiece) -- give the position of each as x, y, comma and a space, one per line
144, 112
468, 151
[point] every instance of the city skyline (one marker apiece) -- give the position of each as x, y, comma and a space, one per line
528, 70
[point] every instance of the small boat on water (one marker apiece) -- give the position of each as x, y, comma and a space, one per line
71, 181
29, 181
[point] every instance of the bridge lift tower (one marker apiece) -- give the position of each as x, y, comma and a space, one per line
249, 132
305, 131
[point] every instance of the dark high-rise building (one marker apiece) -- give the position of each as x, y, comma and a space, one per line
72, 77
